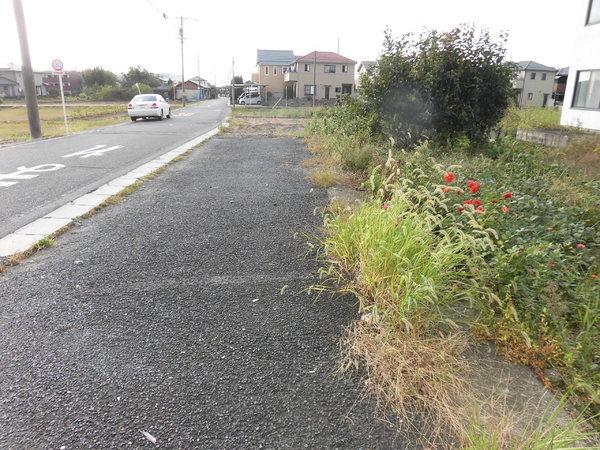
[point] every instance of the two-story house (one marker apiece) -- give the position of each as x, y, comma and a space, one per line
12, 84
581, 106
270, 68
324, 75
533, 84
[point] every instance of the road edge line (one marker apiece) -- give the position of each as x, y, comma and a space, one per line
23, 240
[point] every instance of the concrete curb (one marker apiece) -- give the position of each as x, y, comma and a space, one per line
27, 236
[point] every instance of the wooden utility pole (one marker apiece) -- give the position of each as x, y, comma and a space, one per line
232, 83
33, 114
182, 75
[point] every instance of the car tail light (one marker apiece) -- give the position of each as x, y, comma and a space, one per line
130, 106
154, 105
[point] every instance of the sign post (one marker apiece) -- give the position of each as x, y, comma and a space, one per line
57, 69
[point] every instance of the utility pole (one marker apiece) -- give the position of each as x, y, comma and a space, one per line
182, 75
33, 114
338, 45
315, 79
199, 93
232, 83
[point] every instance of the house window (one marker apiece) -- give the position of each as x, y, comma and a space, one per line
529, 96
309, 89
307, 67
593, 16
329, 68
544, 76
274, 70
532, 76
344, 68
587, 89
338, 90
266, 70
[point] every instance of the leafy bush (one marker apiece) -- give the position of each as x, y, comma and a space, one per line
440, 86
98, 77
530, 119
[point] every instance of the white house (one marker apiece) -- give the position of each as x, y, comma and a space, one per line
582, 96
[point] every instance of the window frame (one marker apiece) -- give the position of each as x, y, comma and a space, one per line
307, 67
329, 66
311, 90
267, 70
589, 13
544, 76
345, 68
575, 91
532, 76
274, 70
530, 96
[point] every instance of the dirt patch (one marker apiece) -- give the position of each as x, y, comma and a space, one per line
267, 126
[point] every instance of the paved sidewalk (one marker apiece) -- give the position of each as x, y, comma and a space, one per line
164, 314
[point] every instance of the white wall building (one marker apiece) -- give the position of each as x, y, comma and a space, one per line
582, 96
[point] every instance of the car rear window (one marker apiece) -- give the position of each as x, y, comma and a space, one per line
145, 98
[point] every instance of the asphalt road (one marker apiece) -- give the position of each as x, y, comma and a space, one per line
117, 148
182, 313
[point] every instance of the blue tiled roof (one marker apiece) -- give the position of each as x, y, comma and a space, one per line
274, 57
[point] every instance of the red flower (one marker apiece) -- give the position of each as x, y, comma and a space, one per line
580, 246
507, 195
504, 209
459, 191
446, 189
385, 205
449, 177
476, 202
479, 209
460, 209
468, 201
473, 186
594, 276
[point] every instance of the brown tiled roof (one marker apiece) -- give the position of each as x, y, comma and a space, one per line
325, 57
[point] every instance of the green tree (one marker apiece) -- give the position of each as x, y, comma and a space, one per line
98, 77
140, 75
441, 86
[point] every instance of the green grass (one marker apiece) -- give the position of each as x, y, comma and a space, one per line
267, 111
45, 242
531, 119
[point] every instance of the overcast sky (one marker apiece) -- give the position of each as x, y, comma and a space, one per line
116, 34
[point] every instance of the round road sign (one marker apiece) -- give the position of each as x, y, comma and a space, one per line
57, 65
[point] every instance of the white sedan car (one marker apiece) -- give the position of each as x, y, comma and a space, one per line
148, 105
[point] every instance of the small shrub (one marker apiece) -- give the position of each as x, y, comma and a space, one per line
324, 178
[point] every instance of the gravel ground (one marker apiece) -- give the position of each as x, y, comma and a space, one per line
164, 314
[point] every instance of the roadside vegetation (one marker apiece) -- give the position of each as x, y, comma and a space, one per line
461, 238
267, 111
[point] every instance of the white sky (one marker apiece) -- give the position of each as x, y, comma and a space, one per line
116, 34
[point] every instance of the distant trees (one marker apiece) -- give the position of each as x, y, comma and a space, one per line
140, 75
99, 77
102, 84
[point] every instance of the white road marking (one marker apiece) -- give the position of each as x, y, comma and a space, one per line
23, 173
97, 150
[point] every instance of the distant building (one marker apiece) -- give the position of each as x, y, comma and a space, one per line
72, 83
195, 89
582, 95
364, 68
11, 82
533, 84
271, 66
560, 85
324, 75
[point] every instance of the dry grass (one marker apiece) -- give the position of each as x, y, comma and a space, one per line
14, 126
324, 178
409, 372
